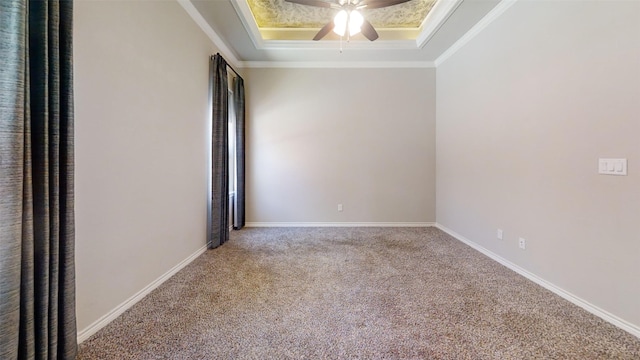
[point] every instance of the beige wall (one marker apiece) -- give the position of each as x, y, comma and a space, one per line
524, 111
141, 71
364, 138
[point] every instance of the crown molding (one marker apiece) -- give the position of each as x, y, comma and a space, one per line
246, 17
213, 36
386, 34
438, 15
335, 44
495, 13
336, 64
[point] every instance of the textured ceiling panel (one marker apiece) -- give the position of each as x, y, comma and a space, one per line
282, 14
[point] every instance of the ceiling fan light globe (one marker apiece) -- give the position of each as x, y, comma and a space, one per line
340, 22
355, 22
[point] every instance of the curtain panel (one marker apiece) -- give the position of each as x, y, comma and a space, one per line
218, 219
37, 231
238, 102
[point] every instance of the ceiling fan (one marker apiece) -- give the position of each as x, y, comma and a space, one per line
348, 16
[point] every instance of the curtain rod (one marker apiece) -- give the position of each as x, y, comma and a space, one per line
229, 66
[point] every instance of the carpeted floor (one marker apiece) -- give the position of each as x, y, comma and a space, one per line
353, 293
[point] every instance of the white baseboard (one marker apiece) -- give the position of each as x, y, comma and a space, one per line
339, 224
603, 314
85, 333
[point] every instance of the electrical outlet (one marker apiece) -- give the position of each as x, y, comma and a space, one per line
522, 243
499, 234
339, 207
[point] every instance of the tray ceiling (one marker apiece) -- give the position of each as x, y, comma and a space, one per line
262, 32
282, 14
282, 20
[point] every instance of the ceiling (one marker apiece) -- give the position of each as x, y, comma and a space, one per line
276, 32
277, 18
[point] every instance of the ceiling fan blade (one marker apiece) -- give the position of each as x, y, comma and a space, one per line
368, 31
316, 3
376, 4
324, 31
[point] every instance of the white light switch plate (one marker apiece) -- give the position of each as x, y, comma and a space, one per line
612, 166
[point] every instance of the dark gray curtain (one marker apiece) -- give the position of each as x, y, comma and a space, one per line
37, 279
238, 102
218, 219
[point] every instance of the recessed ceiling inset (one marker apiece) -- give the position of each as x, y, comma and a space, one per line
279, 20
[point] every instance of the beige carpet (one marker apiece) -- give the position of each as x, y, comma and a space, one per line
353, 293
